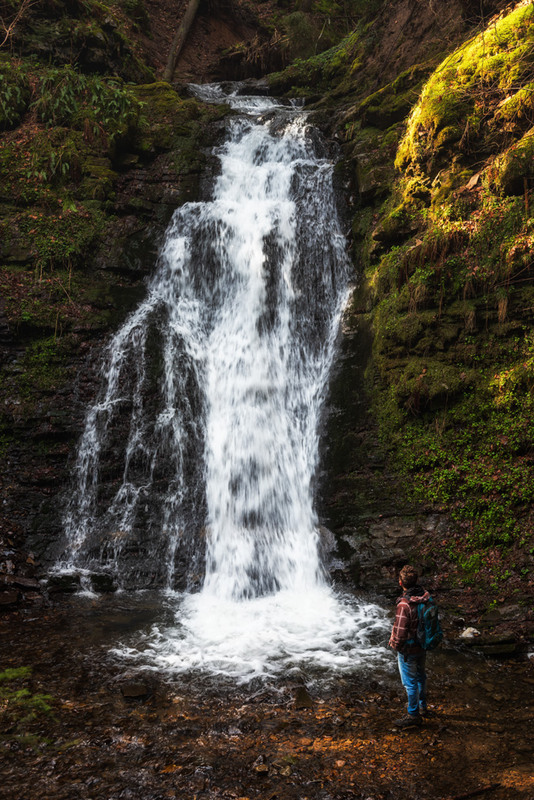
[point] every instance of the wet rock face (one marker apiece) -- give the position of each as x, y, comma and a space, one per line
360, 498
50, 372
378, 552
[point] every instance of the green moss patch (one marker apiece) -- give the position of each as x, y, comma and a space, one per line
462, 100
43, 367
175, 122
55, 238
510, 172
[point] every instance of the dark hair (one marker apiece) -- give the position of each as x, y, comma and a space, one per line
408, 576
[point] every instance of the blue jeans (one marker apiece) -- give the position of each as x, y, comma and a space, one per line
413, 677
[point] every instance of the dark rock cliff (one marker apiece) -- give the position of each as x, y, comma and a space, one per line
428, 442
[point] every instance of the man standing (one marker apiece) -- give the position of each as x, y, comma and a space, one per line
411, 656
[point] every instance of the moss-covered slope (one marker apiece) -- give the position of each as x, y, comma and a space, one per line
443, 231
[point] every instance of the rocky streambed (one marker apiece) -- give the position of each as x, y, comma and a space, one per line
111, 732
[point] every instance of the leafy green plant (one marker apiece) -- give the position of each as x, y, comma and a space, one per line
14, 93
99, 107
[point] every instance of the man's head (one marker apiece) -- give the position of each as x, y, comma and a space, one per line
408, 577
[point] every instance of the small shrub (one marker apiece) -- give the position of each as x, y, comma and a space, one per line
14, 94
101, 108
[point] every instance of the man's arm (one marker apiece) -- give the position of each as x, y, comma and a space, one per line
401, 627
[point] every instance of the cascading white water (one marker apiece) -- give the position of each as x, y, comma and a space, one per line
222, 438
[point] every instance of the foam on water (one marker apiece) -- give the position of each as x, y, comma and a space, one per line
315, 633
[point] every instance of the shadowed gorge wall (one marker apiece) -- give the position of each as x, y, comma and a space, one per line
428, 444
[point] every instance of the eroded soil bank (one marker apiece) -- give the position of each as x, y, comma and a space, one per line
115, 734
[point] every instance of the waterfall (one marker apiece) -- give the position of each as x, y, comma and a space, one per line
199, 455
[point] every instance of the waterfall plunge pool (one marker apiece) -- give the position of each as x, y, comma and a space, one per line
317, 634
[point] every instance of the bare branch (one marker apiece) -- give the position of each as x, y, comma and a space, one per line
7, 26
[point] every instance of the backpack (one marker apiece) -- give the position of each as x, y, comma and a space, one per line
429, 633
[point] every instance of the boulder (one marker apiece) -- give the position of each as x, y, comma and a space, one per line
63, 584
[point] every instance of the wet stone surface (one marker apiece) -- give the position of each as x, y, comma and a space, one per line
114, 733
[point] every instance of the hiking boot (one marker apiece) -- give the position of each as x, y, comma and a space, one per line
409, 721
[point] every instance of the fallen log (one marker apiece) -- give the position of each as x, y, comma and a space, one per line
180, 38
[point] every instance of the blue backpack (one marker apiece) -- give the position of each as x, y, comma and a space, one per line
429, 633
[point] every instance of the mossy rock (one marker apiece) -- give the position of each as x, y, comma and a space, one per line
404, 330
374, 177
138, 13
400, 224
392, 103
36, 165
89, 34
517, 107
484, 71
426, 380
172, 119
445, 184
329, 71
55, 238
510, 171
98, 178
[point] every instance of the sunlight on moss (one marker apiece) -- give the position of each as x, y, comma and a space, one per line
470, 83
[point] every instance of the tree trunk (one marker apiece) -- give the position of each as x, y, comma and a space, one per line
179, 40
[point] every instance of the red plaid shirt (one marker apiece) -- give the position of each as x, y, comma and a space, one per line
405, 625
